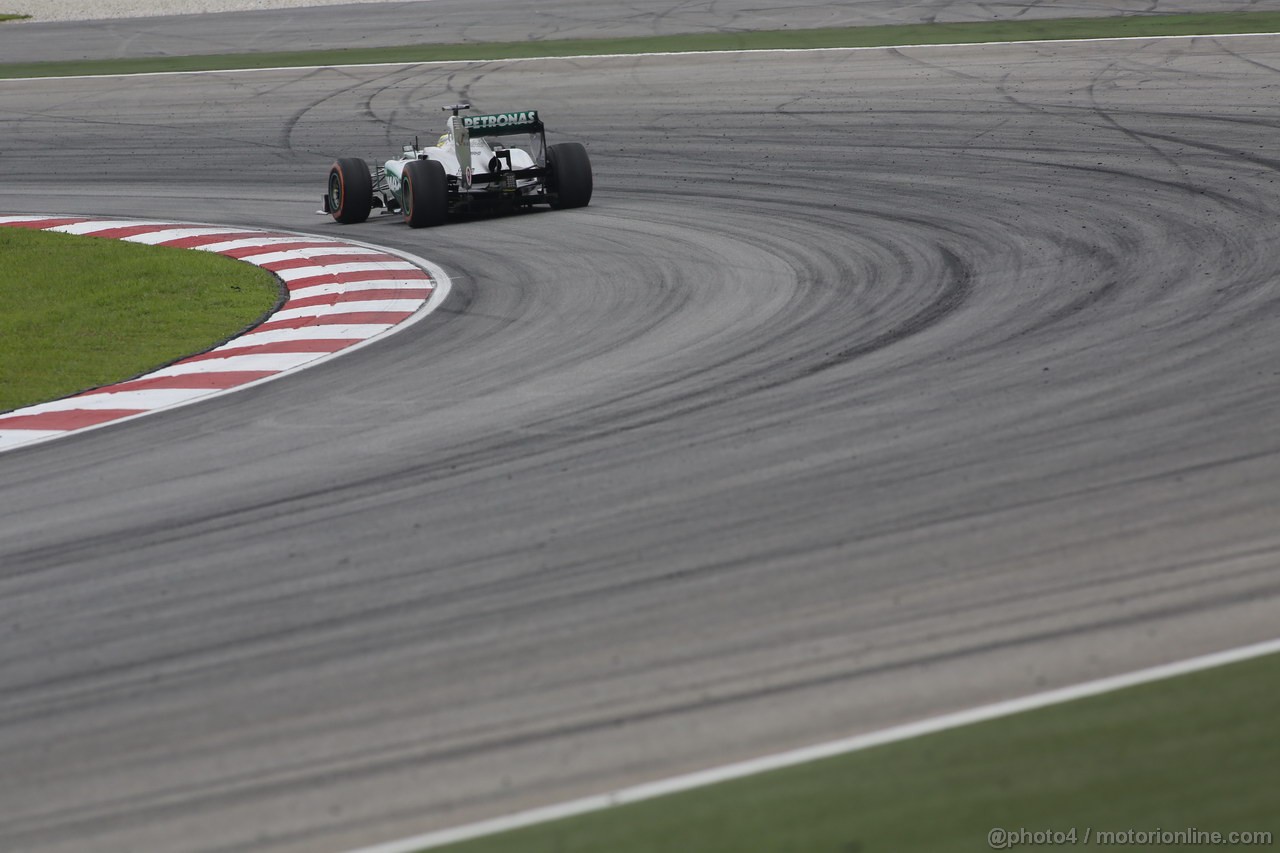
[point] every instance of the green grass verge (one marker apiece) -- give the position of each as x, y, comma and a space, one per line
981, 31
8, 17
1201, 751
80, 312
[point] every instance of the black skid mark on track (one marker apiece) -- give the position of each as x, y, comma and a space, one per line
291, 123
1222, 45
445, 87
1102, 114
954, 293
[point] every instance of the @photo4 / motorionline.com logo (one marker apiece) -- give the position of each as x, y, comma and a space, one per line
1001, 838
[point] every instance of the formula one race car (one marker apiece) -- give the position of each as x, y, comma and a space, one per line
469, 169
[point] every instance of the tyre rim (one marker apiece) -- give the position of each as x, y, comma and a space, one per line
335, 191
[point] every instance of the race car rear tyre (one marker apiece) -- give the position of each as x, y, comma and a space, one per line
350, 190
569, 177
426, 193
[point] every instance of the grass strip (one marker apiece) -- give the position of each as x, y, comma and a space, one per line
80, 312
893, 34
1199, 752
7, 17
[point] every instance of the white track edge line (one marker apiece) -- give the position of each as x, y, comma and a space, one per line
829, 749
441, 290
582, 56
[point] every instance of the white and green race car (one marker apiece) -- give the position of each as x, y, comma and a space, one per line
468, 169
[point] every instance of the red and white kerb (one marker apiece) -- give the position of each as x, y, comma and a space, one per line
340, 294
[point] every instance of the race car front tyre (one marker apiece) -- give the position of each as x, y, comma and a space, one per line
569, 177
350, 190
426, 193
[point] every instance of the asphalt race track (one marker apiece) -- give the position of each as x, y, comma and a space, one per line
872, 385
382, 24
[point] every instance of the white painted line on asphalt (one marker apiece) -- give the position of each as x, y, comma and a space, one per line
87, 228
62, 405
296, 273
311, 333
14, 437
436, 63
820, 751
154, 398
274, 362
10, 218
315, 252
389, 305
155, 237
248, 242
356, 287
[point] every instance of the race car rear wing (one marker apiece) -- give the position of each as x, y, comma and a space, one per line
518, 122
504, 124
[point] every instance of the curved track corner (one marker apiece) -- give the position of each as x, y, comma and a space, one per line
340, 295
